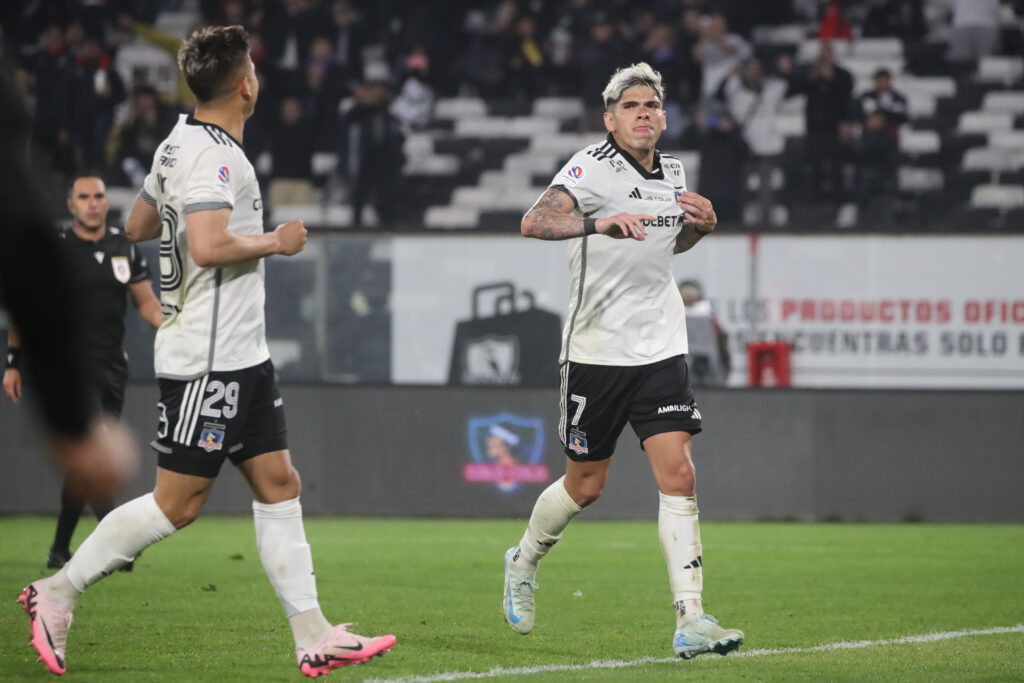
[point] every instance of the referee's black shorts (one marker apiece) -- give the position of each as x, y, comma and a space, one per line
108, 376
234, 415
598, 400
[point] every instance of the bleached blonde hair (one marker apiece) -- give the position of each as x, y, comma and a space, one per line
632, 76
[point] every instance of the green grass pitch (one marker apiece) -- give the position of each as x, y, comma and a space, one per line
198, 607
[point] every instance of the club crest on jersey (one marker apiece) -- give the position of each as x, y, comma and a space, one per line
211, 438
122, 270
576, 172
578, 443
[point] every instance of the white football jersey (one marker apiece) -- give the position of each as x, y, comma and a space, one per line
212, 317
624, 307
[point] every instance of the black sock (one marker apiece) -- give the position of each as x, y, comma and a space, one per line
70, 510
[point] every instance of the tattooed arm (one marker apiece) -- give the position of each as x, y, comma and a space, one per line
549, 219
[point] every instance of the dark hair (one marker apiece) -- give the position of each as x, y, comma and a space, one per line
84, 173
211, 57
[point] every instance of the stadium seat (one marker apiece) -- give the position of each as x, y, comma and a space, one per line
1005, 101
1000, 197
1007, 139
860, 67
140, 63
558, 107
983, 122
1006, 70
459, 107
324, 163
918, 142
917, 179
322, 215
993, 160
789, 34
920, 105
451, 217
888, 49
936, 86
434, 164
505, 127
809, 50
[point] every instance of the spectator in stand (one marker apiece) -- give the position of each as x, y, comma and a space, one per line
829, 91
142, 132
96, 89
900, 18
414, 105
490, 43
659, 49
292, 150
690, 68
884, 100
325, 86
723, 154
975, 32
288, 28
527, 66
834, 24
877, 160
372, 154
600, 55
719, 51
53, 76
345, 30
754, 102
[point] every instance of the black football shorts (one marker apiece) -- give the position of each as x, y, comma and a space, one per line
235, 415
598, 400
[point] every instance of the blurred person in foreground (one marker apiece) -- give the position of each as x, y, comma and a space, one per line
38, 288
108, 270
218, 393
625, 211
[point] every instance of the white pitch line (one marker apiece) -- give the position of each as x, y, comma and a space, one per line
622, 664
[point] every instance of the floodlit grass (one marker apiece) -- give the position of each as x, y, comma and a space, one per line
198, 607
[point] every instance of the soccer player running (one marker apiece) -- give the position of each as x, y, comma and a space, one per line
625, 210
107, 265
218, 394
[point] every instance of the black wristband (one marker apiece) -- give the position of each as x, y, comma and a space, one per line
14, 356
700, 232
589, 226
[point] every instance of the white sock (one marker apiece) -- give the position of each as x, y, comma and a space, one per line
288, 562
552, 512
119, 537
679, 533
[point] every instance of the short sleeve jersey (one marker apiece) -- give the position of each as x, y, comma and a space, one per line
104, 269
624, 307
213, 318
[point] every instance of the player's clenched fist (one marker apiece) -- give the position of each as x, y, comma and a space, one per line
623, 225
699, 210
292, 236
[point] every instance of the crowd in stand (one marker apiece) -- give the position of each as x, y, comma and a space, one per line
354, 77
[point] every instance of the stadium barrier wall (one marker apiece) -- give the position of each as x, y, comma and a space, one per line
764, 454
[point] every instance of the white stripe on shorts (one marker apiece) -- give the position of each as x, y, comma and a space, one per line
201, 392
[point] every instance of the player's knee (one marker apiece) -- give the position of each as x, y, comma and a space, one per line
183, 515
283, 486
681, 480
587, 491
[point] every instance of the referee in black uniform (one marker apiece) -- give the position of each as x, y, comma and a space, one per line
107, 266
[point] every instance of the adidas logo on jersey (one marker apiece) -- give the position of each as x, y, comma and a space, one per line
636, 194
